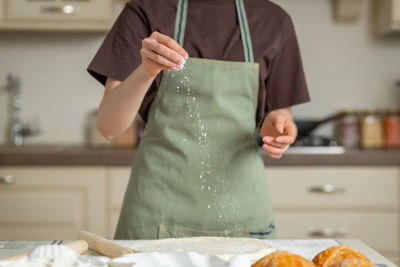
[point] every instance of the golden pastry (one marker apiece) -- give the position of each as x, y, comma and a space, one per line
336, 254
353, 262
281, 258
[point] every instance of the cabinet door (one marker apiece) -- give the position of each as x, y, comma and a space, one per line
59, 9
378, 229
387, 16
46, 203
1, 10
119, 178
396, 14
334, 187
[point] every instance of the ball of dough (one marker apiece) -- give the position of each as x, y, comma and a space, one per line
335, 254
281, 258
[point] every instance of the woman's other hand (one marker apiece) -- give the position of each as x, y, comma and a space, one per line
160, 52
278, 132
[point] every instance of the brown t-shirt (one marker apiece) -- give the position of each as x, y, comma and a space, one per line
212, 31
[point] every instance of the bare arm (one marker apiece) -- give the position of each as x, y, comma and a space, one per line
121, 100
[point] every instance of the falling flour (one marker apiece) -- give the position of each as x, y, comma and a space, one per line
214, 172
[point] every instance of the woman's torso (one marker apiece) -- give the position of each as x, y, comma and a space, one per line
212, 32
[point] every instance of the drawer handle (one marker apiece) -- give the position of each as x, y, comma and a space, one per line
66, 9
328, 232
327, 189
7, 179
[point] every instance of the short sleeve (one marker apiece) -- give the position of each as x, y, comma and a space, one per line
119, 54
286, 84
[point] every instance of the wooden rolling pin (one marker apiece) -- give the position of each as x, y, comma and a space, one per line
104, 246
79, 246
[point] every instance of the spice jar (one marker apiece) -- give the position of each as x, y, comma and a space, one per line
391, 126
348, 131
371, 130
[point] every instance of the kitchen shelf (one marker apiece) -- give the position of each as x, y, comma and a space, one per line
88, 156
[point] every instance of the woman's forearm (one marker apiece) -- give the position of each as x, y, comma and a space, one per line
120, 105
121, 101
286, 112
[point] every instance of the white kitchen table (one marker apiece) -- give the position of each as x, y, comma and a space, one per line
304, 247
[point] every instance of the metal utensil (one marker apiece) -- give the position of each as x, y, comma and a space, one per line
305, 127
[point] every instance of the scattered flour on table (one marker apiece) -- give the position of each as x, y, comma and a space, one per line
45, 262
181, 252
56, 256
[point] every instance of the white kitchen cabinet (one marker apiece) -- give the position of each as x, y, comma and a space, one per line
39, 203
58, 10
347, 10
333, 187
55, 15
375, 228
388, 16
338, 202
46, 203
118, 179
1, 10
58, 202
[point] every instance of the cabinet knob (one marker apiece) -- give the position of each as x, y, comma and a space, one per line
328, 232
7, 179
327, 189
65, 9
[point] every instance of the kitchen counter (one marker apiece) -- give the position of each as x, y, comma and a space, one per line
87, 156
348, 158
308, 248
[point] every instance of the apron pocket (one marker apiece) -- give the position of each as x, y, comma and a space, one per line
165, 231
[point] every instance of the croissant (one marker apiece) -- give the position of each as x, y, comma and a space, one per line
281, 258
334, 256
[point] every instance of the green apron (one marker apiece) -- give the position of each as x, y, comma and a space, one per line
197, 170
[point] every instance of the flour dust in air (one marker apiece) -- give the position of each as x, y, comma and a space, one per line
214, 171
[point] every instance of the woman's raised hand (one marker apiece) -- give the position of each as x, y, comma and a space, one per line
278, 132
160, 52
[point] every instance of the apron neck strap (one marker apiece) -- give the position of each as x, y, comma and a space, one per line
180, 23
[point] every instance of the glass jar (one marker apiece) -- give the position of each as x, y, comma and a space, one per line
371, 130
348, 131
391, 126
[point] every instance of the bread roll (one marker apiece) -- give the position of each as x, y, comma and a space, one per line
336, 254
353, 262
281, 258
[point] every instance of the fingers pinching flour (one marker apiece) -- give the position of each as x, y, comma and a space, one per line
180, 66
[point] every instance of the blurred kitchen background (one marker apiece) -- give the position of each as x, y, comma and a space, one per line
340, 181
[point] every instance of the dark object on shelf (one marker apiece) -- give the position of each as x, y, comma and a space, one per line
312, 140
305, 127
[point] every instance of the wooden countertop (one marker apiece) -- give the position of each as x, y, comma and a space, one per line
309, 247
87, 156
